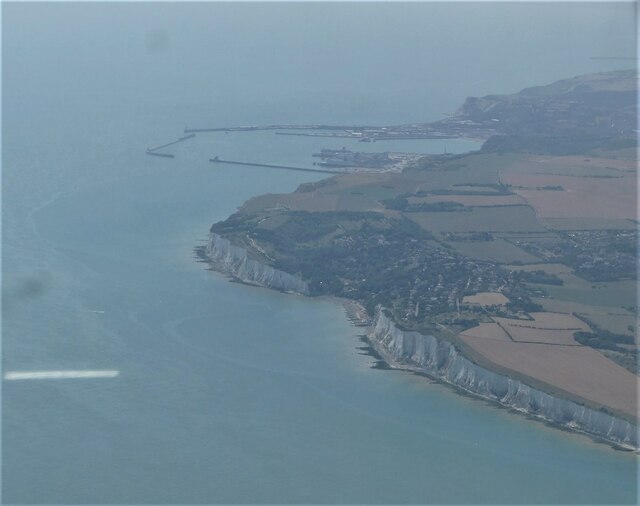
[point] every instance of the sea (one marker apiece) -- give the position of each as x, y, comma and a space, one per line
219, 392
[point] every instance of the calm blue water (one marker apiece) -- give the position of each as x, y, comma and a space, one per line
226, 393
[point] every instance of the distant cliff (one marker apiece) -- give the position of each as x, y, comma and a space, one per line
602, 105
565, 117
441, 360
236, 262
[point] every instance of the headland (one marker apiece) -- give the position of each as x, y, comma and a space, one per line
496, 271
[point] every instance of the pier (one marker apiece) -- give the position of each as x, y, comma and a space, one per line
301, 134
413, 137
254, 128
181, 139
226, 129
164, 155
362, 133
274, 166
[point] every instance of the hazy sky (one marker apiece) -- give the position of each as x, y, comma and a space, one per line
379, 61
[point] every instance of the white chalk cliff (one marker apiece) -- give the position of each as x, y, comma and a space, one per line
441, 360
235, 260
437, 358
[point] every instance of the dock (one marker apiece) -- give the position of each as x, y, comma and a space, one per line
274, 166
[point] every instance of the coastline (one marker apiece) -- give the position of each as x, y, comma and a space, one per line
236, 262
442, 362
434, 358
358, 317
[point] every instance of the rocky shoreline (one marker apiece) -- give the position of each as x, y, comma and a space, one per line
435, 358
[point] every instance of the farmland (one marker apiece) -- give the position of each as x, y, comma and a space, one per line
498, 250
580, 372
577, 197
472, 200
613, 294
612, 319
507, 255
582, 188
486, 299
480, 219
571, 224
544, 328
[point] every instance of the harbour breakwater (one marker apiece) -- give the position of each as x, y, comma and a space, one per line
154, 150
437, 358
181, 139
254, 128
274, 166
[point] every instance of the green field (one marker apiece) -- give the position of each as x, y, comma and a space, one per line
615, 322
273, 221
589, 224
480, 219
375, 191
620, 294
528, 237
499, 251
613, 319
548, 268
468, 170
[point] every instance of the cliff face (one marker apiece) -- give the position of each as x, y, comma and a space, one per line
235, 261
437, 358
594, 105
440, 360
